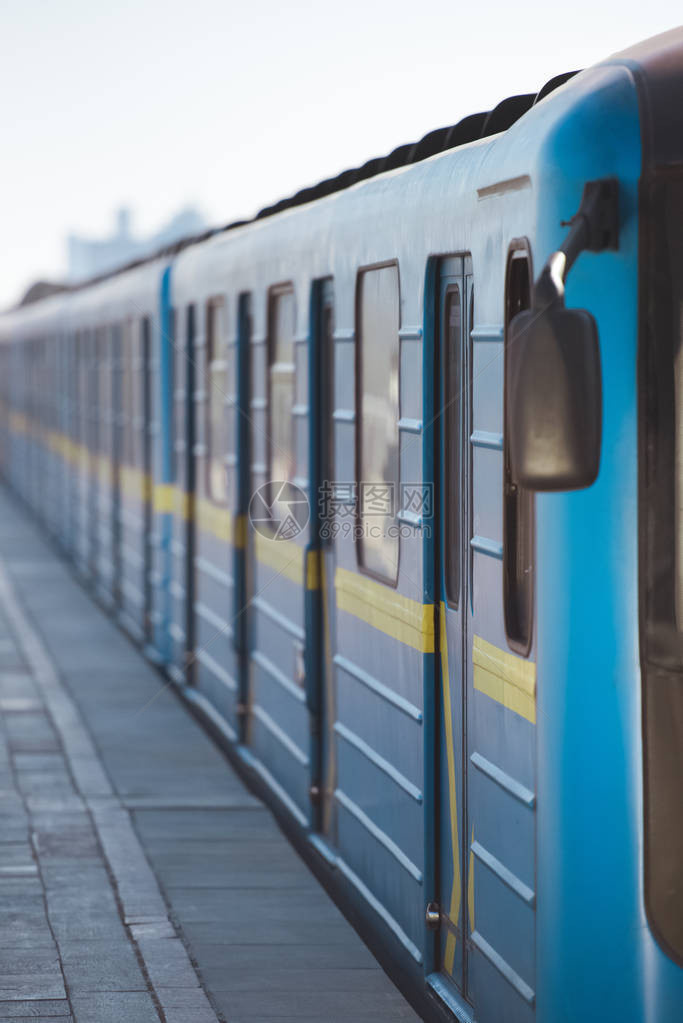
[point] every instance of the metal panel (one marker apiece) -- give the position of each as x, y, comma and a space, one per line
216, 662
278, 722
135, 478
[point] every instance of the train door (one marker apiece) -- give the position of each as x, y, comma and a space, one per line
133, 477
484, 591
181, 581
105, 463
452, 578
278, 722
320, 618
160, 426
118, 430
80, 450
216, 665
147, 472
92, 444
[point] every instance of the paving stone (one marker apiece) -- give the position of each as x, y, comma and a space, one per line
75, 874
315, 1005
13, 960
114, 1007
155, 929
352, 956
167, 963
23, 884
25, 986
31, 733
182, 998
101, 966
347, 1015
17, 684
36, 1009
273, 979
190, 1015
253, 906
45, 784
47, 803
233, 931
16, 854
64, 835
19, 704
10, 658
39, 762
24, 923
164, 826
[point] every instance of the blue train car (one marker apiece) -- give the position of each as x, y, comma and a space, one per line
404, 528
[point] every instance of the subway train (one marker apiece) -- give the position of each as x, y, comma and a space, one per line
388, 481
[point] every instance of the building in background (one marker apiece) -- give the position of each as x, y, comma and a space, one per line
88, 257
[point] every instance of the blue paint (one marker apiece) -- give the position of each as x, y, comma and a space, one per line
595, 949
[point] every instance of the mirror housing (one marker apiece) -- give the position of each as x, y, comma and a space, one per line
554, 398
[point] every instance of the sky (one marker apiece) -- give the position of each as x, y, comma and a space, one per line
228, 106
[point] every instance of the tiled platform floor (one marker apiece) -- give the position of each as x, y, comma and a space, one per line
139, 879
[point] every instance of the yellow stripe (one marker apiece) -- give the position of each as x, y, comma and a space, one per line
105, 470
164, 498
508, 679
456, 890
285, 557
183, 504
214, 519
406, 620
134, 482
313, 560
240, 531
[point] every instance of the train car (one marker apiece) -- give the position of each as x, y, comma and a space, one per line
388, 482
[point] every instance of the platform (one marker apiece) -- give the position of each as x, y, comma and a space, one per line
140, 880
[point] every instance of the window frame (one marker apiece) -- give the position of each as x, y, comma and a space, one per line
453, 519
275, 292
211, 363
358, 396
519, 248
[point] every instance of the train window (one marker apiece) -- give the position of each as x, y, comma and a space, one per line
327, 337
139, 363
215, 400
93, 390
82, 390
452, 328
281, 381
174, 356
377, 401
518, 508
105, 391
127, 427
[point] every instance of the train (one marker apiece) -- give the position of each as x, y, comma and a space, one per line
388, 481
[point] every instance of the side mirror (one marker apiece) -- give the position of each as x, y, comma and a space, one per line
554, 398
553, 380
